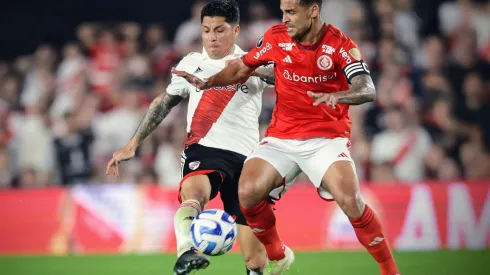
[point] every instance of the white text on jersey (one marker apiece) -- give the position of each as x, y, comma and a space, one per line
262, 51
308, 79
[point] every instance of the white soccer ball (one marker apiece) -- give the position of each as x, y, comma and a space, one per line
214, 232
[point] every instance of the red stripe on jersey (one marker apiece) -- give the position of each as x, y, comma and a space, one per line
211, 106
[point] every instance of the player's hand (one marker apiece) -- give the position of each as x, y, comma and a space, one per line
329, 99
123, 154
232, 61
194, 80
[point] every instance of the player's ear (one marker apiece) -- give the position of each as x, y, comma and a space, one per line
236, 30
315, 11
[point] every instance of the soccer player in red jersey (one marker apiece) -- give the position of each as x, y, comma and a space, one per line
319, 73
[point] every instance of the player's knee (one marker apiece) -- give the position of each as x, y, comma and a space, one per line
247, 192
195, 188
352, 205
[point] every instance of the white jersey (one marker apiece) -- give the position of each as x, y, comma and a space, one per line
221, 117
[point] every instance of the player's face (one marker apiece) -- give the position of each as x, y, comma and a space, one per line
298, 18
218, 36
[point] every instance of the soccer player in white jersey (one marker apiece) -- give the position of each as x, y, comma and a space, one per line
222, 127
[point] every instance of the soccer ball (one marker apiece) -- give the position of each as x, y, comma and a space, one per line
214, 232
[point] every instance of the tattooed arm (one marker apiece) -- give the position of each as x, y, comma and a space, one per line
158, 110
266, 73
361, 91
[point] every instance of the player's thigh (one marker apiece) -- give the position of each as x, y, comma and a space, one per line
252, 249
201, 174
329, 166
263, 171
288, 181
200, 187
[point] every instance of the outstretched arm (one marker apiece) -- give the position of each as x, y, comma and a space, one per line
158, 110
234, 73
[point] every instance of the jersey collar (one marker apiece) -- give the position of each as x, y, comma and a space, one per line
236, 54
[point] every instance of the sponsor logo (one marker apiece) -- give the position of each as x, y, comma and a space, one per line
198, 70
307, 79
376, 241
324, 62
257, 230
287, 46
194, 165
262, 51
287, 59
233, 88
345, 56
328, 49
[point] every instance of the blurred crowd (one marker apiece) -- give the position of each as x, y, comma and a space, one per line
63, 113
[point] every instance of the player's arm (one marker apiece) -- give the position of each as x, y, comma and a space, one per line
362, 90
348, 57
239, 71
158, 110
236, 72
266, 73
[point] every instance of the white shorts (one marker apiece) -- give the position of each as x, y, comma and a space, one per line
312, 156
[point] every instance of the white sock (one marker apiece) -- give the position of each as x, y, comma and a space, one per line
183, 218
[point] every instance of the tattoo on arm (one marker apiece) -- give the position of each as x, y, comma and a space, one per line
361, 91
158, 110
266, 73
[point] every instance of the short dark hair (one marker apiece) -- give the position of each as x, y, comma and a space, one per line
311, 2
226, 8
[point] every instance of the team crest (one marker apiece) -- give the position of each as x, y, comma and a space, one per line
324, 62
260, 42
354, 52
194, 165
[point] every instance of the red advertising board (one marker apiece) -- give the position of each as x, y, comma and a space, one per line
122, 218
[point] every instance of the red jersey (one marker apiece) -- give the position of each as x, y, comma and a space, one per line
324, 67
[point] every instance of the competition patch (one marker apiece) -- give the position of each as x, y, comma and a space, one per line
260, 42
354, 52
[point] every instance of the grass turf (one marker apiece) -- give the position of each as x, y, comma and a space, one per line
334, 263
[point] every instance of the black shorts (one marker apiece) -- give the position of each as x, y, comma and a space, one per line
223, 169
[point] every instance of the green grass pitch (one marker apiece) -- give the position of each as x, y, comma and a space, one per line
332, 263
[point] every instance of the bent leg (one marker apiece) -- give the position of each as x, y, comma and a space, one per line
194, 193
329, 166
341, 181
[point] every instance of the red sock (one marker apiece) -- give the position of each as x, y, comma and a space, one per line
262, 220
370, 234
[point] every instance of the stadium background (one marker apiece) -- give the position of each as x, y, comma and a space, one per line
76, 78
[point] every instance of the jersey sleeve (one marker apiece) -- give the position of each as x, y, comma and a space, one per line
262, 53
350, 59
178, 85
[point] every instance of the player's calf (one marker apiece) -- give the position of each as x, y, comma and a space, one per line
341, 181
258, 178
253, 250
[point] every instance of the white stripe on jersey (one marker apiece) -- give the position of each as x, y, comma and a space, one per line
222, 117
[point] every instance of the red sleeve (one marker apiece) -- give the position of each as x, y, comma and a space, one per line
262, 53
350, 60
